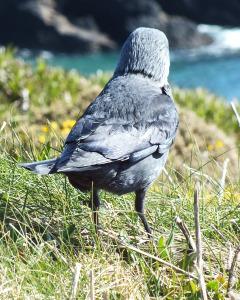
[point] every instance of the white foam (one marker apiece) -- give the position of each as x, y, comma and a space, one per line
46, 54
224, 39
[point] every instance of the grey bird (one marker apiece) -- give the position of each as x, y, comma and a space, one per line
121, 142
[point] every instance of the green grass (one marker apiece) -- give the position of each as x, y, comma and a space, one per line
46, 226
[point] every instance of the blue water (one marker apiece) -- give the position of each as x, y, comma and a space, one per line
219, 74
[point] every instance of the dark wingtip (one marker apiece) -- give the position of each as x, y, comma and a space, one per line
24, 165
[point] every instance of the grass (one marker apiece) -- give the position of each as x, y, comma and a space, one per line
46, 226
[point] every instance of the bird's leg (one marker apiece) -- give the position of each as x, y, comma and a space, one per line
94, 205
139, 206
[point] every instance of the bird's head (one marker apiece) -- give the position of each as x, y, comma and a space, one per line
145, 52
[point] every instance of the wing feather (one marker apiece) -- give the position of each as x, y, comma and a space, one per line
112, 137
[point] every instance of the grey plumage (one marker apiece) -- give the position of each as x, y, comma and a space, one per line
121, 142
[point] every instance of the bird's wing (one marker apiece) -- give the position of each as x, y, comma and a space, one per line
93, 142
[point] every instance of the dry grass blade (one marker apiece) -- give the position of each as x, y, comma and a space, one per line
223, 179
58, 254
4, 123
135, 249
75, 281
235, 111
199, 266
231, 271
230, 258
92, 289
183, 227
219, 233
234, 296
168, 176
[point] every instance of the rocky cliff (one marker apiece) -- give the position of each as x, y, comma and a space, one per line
93, 25
219, 12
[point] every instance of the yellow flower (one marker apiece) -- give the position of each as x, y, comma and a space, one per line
54, 125
72, 123
210, 147
65, 131
219, 144
42, 138
44, 129
68, 123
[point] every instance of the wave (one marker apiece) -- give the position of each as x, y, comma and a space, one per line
224, 39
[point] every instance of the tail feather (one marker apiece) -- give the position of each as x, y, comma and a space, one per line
40, 167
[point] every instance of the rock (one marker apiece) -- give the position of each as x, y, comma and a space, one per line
38, 25
178, 31
218, 12
121, 17
115, 17
89, 25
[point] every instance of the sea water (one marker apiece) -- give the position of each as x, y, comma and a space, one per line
215, 67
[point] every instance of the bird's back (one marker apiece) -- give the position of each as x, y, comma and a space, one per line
133, 98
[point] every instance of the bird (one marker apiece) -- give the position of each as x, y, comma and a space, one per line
121, 142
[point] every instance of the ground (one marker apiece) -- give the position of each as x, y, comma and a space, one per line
46, 227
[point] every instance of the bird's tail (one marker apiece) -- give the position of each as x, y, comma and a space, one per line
43, 167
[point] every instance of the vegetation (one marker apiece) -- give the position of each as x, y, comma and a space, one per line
209, 107
49, 88
46, 227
